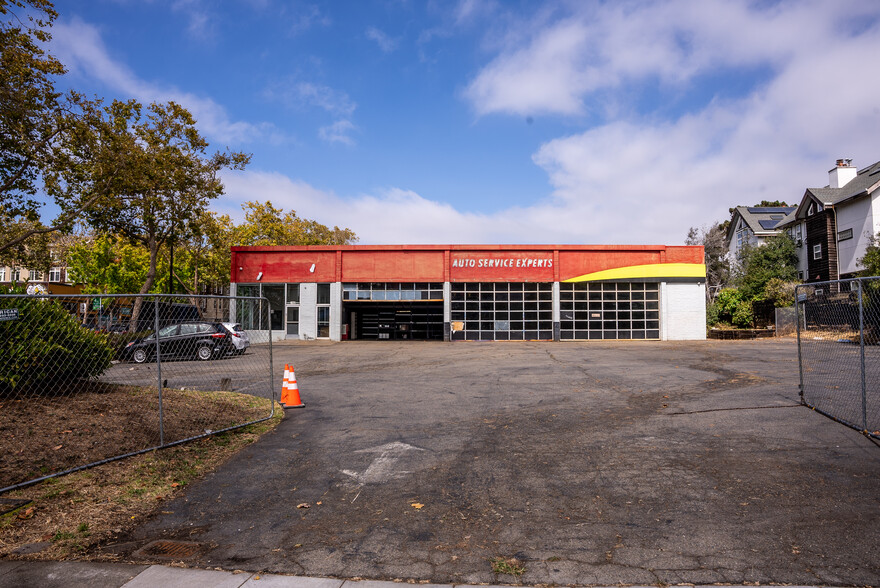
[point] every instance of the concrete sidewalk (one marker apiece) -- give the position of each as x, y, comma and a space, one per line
75, 574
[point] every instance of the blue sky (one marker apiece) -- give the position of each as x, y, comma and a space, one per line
481, 121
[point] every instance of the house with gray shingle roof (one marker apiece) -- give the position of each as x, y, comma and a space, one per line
752, 225
834, 225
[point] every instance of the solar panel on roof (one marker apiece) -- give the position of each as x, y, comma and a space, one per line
768, 224
760, 209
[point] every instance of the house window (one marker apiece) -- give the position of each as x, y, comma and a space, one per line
35, 275
55, 274
844, 235
2, 274
16, 274
817, 251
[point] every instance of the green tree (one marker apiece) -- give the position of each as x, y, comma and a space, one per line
38, 128
154, 186
30, 108
107, 264
871, 260
775, 258
266, 225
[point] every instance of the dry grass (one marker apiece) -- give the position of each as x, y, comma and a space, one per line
70, 514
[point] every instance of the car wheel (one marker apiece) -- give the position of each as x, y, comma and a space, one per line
205, 353
139, 355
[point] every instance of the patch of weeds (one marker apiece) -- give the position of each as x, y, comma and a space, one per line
134, 492
554, 558
52, 493
507, 565
83, 529
63, 536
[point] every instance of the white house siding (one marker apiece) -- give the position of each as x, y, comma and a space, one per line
859, 216
683, 316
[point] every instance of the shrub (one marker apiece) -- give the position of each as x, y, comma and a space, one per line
46, 345
730, 308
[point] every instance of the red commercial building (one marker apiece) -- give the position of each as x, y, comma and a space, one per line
473, 292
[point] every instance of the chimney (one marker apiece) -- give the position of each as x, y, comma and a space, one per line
841, 174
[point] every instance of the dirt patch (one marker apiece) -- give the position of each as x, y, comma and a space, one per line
40, 435
68, 515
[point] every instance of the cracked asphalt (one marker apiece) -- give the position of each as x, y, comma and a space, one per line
590, 463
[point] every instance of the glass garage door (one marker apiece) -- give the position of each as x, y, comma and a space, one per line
609, 310
501, 311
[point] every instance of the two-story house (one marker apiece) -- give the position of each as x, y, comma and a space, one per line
750, 226
834, 225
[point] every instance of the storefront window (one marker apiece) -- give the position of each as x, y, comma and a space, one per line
323, 293
292, 293
274, 293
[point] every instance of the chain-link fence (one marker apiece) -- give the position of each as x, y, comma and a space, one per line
87, 379
838, 327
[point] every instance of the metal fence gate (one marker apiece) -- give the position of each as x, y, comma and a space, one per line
838, 327
86, 379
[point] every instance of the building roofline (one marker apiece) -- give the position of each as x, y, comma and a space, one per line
456, 247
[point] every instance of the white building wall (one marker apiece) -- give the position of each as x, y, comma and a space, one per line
308, 310
683, 311
858, 216
335, 311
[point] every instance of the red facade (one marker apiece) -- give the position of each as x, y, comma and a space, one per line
446, 263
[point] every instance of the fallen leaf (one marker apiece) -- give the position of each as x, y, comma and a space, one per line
303, 505
298, 545
417, 505
57, 447
319, 503
174, 484
256, 577
29, 513
68, 431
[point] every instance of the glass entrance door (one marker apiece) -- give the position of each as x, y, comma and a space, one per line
293, 321
323, 322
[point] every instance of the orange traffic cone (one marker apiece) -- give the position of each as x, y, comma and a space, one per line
289, 390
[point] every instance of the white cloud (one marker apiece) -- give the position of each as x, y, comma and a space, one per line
306, 17
201, 19
338, 132
644, 178
604, 46
80, 47
385, 43
324, 97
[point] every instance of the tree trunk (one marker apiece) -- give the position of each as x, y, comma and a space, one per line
148, 284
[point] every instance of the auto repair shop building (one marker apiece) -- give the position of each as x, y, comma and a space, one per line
472, 292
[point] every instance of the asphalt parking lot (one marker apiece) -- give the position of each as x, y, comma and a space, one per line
589, 463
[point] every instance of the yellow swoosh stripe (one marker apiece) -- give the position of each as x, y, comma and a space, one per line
653, 270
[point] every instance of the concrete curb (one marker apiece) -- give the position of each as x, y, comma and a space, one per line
76, 574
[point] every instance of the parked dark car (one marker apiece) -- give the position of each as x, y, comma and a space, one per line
202, 341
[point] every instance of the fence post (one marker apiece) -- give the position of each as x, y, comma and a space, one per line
797, 320
158, 370
271, 358
862, 351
